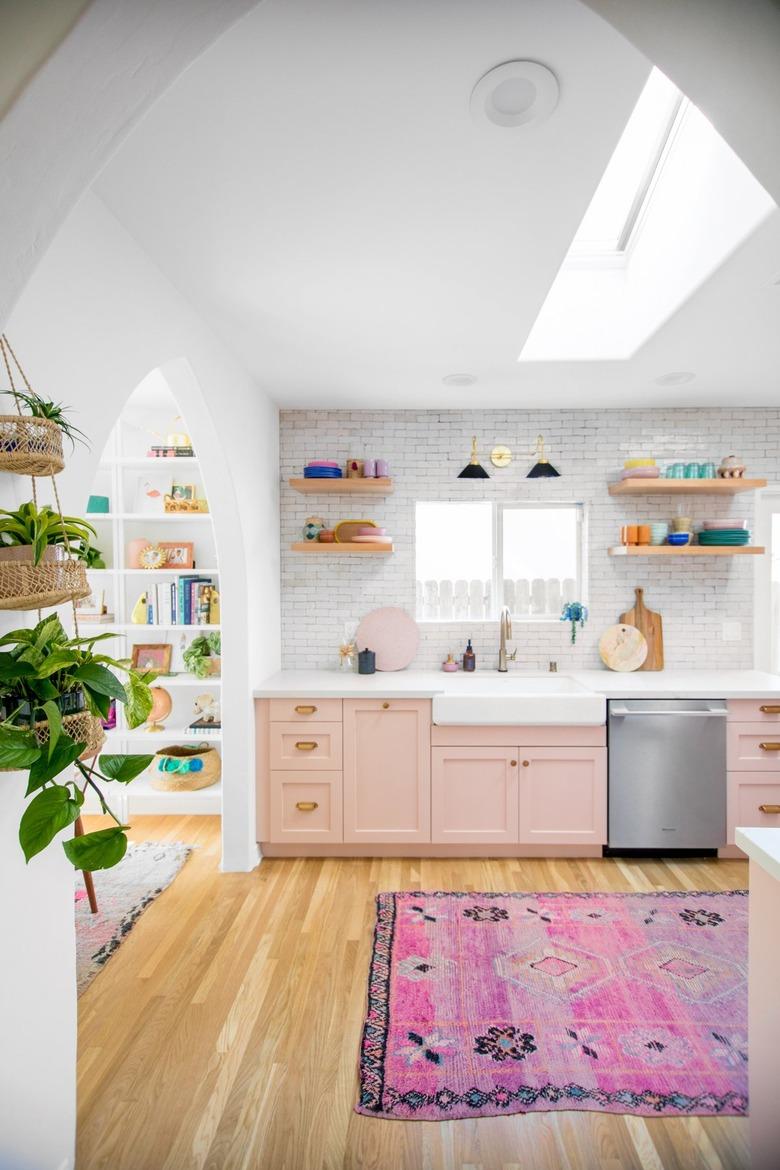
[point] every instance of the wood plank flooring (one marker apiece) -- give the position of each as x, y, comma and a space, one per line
223, 1035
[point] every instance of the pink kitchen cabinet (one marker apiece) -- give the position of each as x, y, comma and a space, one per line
563, 796
387, 773
474, 796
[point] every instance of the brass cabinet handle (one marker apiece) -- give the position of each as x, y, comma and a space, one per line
526, 763
306, 745
770, 747
305, 709
307, 805
769, 808
769, 709
385, 706
513, 763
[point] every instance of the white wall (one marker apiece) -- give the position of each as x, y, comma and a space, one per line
427, 449
94, 320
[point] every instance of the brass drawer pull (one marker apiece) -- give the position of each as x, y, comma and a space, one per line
769, 808
305, 709
385, 706
513, 763
770, 747
526, 763
769, 709
307, 805
306, 745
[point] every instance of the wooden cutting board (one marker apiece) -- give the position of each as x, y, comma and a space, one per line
649, 624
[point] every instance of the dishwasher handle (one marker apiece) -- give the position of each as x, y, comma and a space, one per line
710, 713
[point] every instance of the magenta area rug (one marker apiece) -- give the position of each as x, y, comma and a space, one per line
123, 893
483, 1004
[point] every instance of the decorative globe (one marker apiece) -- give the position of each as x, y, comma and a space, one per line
162, 705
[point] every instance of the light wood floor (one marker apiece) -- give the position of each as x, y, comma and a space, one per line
224, 1032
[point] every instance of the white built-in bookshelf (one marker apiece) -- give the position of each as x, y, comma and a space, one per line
130, 479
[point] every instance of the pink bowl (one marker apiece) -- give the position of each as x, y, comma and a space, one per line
368, 531
322, 463
727, 523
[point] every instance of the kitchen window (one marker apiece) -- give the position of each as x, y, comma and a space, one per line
473, 558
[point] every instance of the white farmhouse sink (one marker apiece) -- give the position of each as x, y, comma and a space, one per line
517, 698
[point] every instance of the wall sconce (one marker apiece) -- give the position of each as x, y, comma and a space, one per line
473, 469
542, 467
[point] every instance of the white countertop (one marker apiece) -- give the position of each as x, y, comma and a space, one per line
424, 684
763, 847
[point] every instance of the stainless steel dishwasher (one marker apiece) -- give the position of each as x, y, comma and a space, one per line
667, 773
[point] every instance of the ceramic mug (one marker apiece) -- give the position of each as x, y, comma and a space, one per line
355, 469
382, 469
629, 534
643, 534
369, 468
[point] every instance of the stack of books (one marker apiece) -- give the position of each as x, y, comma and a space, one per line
170, 453
187, 601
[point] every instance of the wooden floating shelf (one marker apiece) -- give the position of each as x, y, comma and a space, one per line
686, 550
342, 487
314, 546
684, 487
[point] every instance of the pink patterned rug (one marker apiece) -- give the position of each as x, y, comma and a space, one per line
482, 1004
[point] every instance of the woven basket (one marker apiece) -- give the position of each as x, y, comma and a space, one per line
82, 728
24, 585
29, 445
185, 769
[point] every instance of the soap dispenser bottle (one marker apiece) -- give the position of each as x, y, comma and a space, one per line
469, 658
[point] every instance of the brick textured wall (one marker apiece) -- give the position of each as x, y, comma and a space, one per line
427, 449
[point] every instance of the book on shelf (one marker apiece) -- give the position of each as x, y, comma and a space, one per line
170, 452
102, 618
190, 600
203, 726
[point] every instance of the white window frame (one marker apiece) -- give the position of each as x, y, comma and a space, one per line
497, 576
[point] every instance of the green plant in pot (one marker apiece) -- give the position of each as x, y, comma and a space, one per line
53, 411
201, 657
44, 676
42, 528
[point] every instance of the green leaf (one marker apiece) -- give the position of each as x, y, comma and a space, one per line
54, 718
58, 660
98, 704
139, 700
45, 816
99, 850
18, 748
100, 679
47, 767
124, 768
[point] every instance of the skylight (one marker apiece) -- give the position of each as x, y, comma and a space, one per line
628, 180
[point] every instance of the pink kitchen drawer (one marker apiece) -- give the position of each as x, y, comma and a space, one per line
753, 747
317, 747
306, 807
305, 710
754, 710
753, 802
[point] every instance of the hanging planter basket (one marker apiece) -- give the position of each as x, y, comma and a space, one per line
186, 769
81, 728
56, 579
30, 445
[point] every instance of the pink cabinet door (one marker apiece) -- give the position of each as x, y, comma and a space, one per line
753, 802
387, 773
751, 747
305, 806
563, 796
473, 795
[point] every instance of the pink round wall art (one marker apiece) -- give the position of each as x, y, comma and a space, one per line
392, 635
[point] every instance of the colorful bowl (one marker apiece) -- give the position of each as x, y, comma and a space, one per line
679, 538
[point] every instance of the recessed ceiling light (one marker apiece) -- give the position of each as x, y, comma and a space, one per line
459, 380
515, 94
675, 378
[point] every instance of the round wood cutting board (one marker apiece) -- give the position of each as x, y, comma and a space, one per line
623, 648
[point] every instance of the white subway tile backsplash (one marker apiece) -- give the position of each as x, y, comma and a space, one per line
427, 449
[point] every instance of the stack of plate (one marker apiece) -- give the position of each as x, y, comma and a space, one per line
322, 469
724, 536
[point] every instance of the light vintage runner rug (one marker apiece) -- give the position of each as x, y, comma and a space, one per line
483, 1004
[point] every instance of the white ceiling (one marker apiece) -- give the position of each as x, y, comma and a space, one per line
317, 187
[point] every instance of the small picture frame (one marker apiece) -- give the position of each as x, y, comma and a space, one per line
183, 491
179, 554
152, 656
151, 491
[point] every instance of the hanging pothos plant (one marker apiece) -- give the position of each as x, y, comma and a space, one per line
577, 614
43, 674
